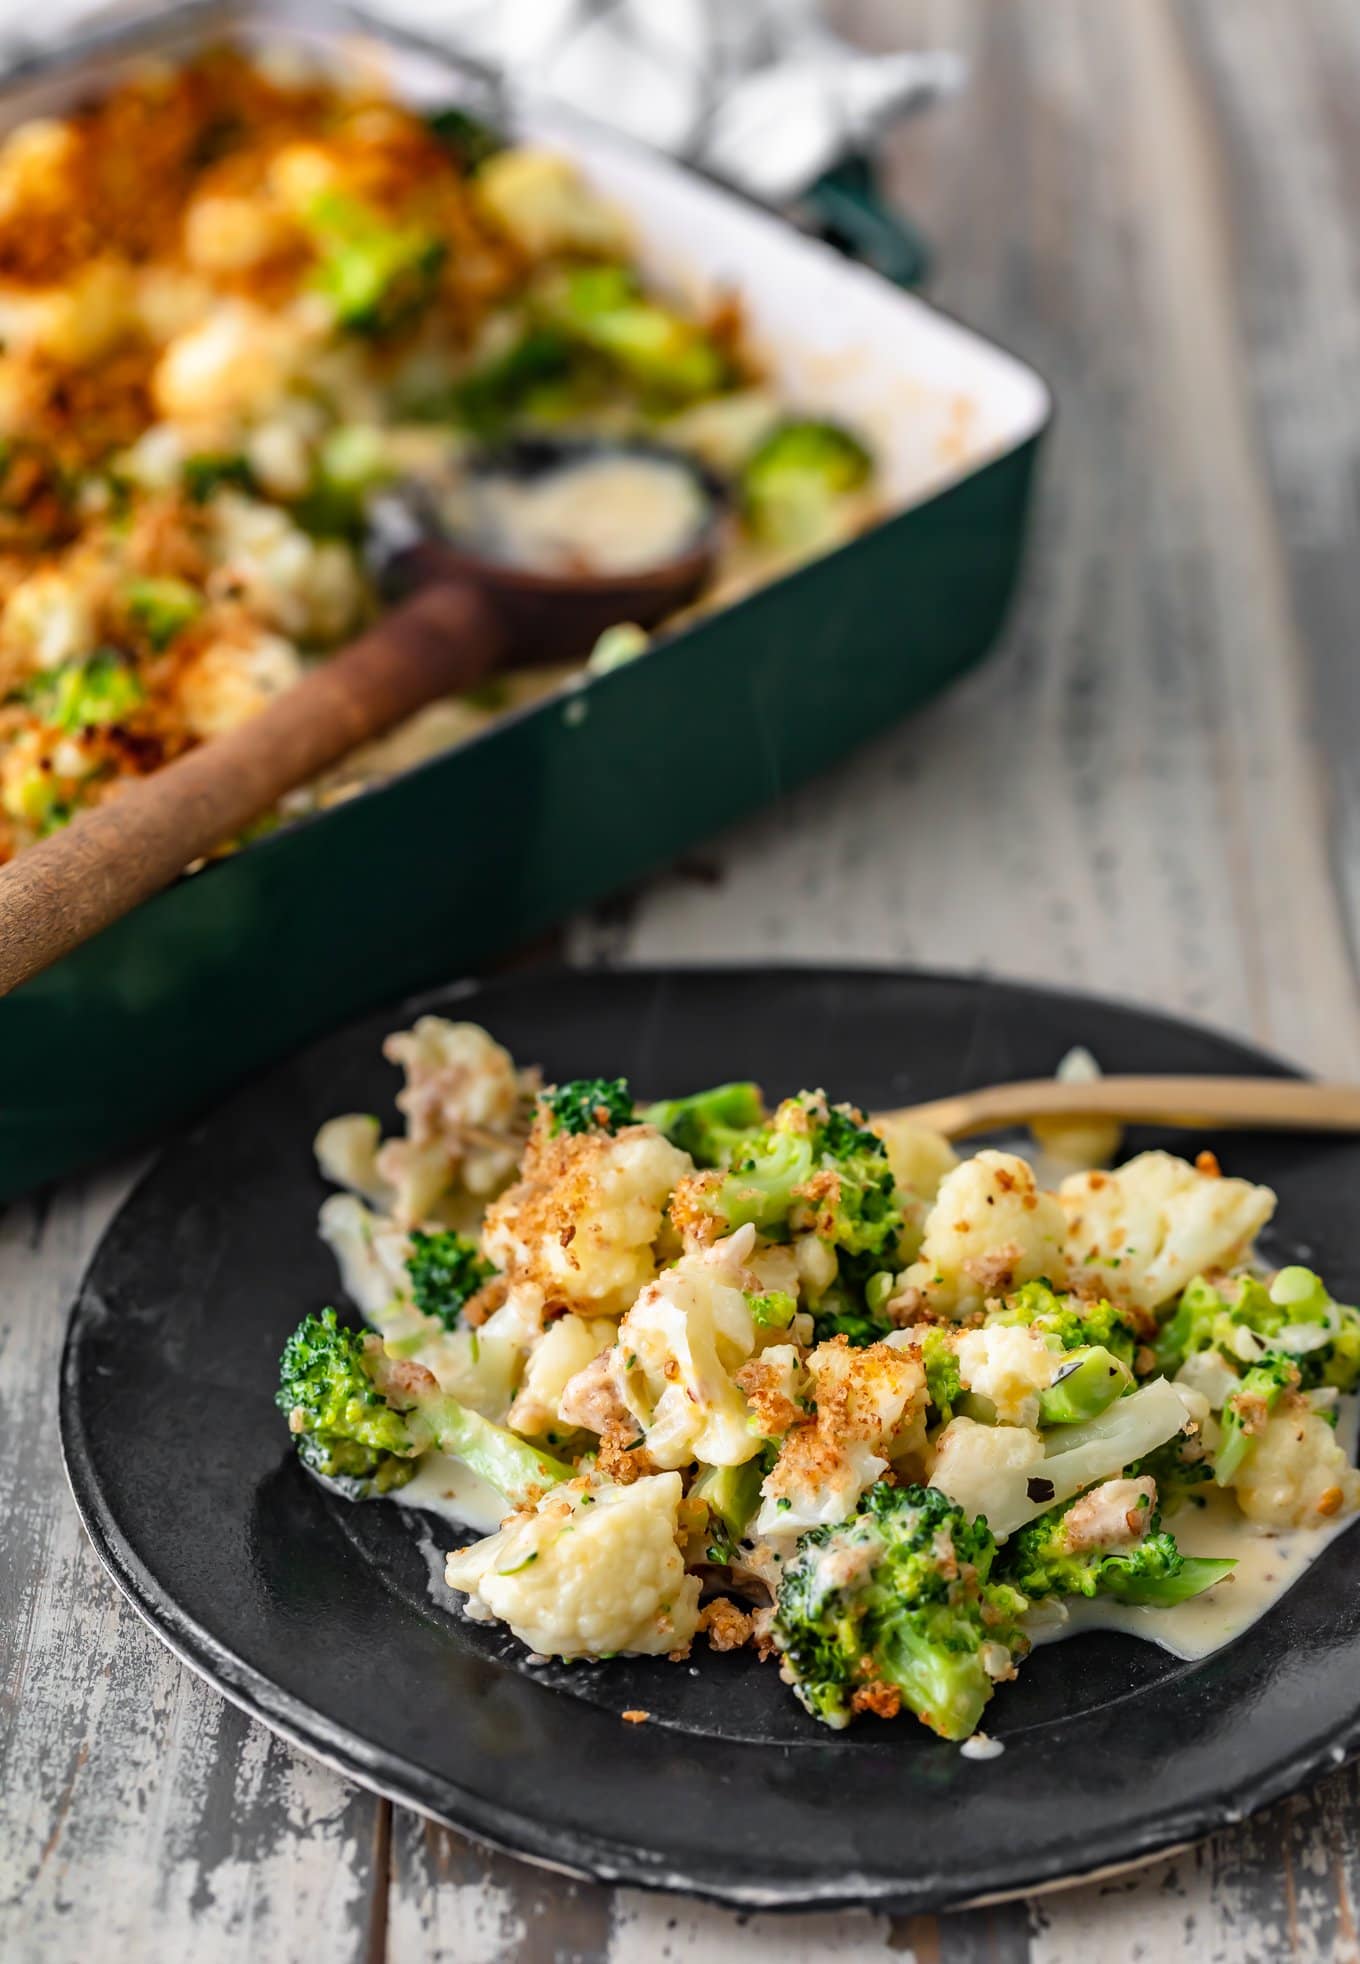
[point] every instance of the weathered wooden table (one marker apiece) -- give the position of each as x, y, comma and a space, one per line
1153, 790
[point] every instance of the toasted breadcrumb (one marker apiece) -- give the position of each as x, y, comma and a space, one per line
725, 1625
622, 1455
883, 1700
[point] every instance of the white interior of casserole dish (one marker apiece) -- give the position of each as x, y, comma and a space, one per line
936, 400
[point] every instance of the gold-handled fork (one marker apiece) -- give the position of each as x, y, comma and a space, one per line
1238, 1103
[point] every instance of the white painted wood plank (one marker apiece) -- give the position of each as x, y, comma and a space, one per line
140, 1816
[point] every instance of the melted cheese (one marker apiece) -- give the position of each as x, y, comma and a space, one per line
606, 514
444, 1486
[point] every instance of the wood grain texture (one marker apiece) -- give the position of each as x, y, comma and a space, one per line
140, 1816
1152, 790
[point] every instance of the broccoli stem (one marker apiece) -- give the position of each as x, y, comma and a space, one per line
516, 1469
1249, 1407
732, 1493
1196, 1574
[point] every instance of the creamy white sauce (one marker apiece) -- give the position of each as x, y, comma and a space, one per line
1268, 1561
982, 1746
606, 514
444, 1486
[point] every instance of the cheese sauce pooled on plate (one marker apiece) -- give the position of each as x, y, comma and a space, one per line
1268, 1561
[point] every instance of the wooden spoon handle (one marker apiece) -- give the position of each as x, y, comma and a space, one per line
66, 888
1265, 1104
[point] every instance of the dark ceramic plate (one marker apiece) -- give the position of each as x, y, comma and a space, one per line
322, 1619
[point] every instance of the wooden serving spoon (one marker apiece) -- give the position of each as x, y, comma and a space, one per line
1229, 1103
465, 617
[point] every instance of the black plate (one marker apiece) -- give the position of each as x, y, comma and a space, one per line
322, 1620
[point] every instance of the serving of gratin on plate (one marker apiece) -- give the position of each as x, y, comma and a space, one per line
237, 297
696, 1369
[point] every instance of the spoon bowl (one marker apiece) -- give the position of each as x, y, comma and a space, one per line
549, 614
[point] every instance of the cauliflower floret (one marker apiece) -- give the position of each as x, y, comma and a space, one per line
37, 163
280, 458
370, 1252
234, 679
1010, 1364
228, 232
1296, 1475
170, 301
679, 1347
973, 1462
346, 1151
920, 1157
50, 619
156, 459
727, 429
582, 1220
869, 1411
592, 1399
307, 588
466, 1109
1113, 1515
991, 1228
566, 1347
816, 1263
74, 324
479, 1367
546, 206
237, 360
591, 1572
1140, 1234
1009, 1474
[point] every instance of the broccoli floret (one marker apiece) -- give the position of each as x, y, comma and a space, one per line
604, 309
1208, 1316
790, 483
772, 1309
1248, 1408
350, 464
468, 140
352, 1432
446, 1271
589, 1104
345, 1428
710, 1125
1086, 1383
944, 1383
162, 608
507, 386
210, 472
375, 271
1180, 1468
894, 1607
89, 694
1075, 1324
841, 1313
817, 1168
732, 1495
1039, 1562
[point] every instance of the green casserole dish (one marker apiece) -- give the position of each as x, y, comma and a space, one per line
554, 804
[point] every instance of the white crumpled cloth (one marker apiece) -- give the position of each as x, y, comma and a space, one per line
760, 92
